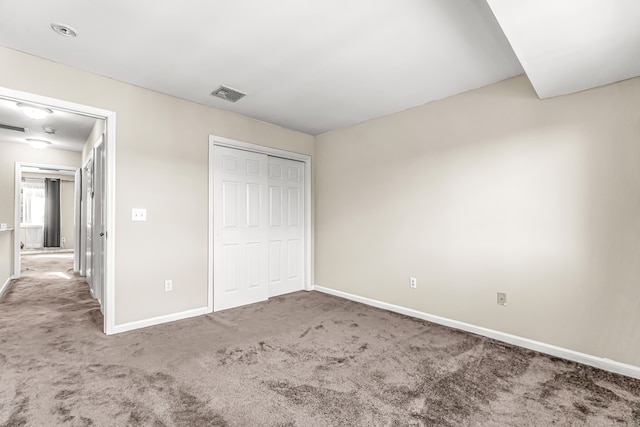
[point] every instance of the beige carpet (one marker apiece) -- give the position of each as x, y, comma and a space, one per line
305, 359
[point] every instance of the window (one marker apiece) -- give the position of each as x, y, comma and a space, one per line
32, 201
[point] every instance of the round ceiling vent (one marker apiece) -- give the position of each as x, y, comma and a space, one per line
64, 30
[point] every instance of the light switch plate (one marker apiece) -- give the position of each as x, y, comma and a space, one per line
138, 214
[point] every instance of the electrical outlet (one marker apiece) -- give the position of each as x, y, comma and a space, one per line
62, 239
413, 282
168, 285
502, 298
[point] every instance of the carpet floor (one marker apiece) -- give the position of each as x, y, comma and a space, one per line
303, 359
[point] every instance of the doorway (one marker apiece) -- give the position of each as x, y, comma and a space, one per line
259, 223
107, 255
46, 213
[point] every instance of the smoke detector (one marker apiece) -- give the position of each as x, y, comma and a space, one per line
228, 94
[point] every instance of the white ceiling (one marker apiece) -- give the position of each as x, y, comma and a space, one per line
71, 130
316, 66
570, 45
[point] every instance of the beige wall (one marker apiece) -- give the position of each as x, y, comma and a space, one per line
161, 165
10, 153
493, 190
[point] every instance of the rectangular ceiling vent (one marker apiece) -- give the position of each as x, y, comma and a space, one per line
15, 128
228, 94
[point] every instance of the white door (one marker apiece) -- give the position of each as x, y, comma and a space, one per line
88, 193
82, 247
77, 221
286, 226
98, 222
241, 228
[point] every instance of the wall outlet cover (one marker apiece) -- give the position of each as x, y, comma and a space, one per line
502, 298
138, 214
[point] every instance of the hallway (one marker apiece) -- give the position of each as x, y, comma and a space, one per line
66, 299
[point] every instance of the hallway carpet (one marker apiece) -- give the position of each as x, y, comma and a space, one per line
304, 359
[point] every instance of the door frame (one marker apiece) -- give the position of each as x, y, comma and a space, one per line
110, 189
269, 151
19, 166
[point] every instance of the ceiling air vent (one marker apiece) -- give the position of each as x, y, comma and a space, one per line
228, 94
15, 128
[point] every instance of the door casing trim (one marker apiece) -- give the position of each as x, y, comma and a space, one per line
110, 188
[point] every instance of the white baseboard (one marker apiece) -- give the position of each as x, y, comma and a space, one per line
5, 286
587, 359
160, 319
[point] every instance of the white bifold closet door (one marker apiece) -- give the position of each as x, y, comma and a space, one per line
258, 227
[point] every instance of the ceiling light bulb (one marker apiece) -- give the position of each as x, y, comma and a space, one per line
31, 111
38, 144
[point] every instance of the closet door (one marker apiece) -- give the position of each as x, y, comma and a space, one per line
286, 226
241, 229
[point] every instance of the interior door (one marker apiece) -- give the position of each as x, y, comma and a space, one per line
77, 219
82, 247
88, 193
98, 222
286, 226
240, 215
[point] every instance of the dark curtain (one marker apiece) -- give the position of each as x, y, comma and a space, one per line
51, 213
